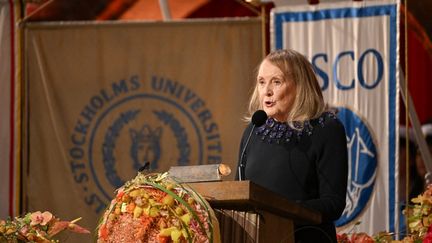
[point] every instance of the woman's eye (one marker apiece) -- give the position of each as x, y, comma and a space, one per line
261, 82
277, 81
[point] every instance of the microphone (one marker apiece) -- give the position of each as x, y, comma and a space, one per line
146, 166
258, 119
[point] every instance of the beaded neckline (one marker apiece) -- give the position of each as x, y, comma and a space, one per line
281, 132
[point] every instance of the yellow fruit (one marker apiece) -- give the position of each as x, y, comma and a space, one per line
175, 235
125, 198
169, 186
154, 212
167, 231
179, 211
190, 200
168, 200
112, 217
137, 212
134, 193
186, 218
184, 233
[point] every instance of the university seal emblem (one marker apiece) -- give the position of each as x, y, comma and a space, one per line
157, 121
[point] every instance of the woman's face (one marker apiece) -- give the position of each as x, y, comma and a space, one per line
276, 93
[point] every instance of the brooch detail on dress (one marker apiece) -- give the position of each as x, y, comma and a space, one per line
281, 132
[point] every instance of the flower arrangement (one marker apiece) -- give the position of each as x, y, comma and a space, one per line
419, 217
155, 208
382, 237
36, 227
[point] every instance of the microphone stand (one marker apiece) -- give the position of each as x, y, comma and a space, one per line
242, 165
258, 119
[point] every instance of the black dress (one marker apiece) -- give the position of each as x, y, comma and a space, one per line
308, 165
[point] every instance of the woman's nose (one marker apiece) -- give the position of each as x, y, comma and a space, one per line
269, 90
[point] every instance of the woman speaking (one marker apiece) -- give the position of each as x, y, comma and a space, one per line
300, 152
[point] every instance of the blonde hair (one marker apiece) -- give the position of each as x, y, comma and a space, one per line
309, 102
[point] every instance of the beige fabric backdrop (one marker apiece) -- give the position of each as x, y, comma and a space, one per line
10, 109
105, 98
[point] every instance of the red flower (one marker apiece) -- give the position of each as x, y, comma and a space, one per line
362, 238
428, 236
343, 238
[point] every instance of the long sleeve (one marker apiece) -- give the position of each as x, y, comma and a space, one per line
332, 171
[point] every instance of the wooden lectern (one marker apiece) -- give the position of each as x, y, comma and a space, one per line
277, 215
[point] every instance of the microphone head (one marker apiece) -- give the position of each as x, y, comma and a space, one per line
259, 118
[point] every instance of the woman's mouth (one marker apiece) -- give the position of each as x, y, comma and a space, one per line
269, 103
